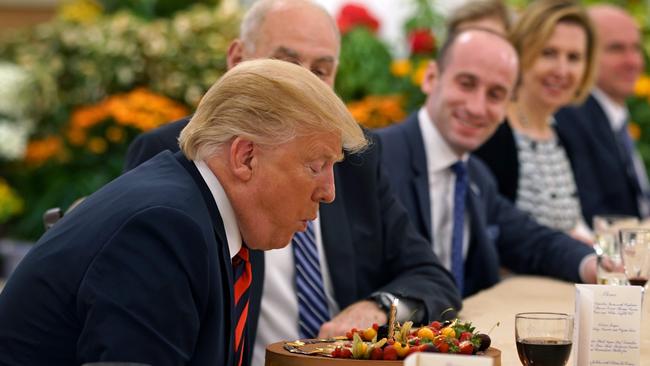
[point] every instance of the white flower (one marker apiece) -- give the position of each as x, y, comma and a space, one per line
15, 84
13, 139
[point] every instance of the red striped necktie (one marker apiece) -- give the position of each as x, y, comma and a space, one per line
242, 280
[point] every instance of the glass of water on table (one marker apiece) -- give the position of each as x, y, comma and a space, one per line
608, 247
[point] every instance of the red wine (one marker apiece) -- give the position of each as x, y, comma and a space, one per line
637, 281
543, 351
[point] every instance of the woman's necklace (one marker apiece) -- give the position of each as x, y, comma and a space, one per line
544, 132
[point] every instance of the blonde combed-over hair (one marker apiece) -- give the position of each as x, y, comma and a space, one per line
536, 25
269, 102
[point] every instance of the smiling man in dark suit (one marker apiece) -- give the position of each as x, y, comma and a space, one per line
369, 252
154, 267
609, 173
451, 196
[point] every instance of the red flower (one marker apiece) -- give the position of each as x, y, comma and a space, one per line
422, 41
353, 15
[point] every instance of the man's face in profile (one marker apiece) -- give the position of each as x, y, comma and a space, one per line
301, 34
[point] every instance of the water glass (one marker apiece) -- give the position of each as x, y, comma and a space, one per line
544, 339
635, 251
607, 247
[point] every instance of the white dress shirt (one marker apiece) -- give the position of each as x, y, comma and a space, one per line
233, 236
278, 318
279, 310
442, 180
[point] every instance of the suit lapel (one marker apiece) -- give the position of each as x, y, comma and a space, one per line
338, 246
420, 181
606, 138
225, 261
601, 129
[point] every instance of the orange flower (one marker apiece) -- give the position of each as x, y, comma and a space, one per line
400, 68
377, 111
89, 116
115, 134
634, 130
42, 150
97, 145
418, 76
642, 86
140, 109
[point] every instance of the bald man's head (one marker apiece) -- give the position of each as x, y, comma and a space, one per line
621, 58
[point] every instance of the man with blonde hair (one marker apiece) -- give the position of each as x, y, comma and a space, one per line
154, 267
595, 134
363, 251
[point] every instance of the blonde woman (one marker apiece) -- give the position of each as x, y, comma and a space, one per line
556, 45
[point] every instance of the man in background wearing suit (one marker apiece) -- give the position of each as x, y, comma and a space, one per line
451, 196
154, 267
369, 252
609, 173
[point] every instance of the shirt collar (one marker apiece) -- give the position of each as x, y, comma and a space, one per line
233, 236
616, 114
439, 154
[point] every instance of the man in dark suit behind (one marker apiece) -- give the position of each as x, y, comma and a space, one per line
154, 267
371, 252
610, 175
428, 159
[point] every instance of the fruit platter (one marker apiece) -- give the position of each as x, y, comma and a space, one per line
384, 345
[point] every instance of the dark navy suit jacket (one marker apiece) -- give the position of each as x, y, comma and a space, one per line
600, 172
369, 242
500, 234
139, 272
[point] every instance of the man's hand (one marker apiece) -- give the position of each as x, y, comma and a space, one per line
360, 315
588, 269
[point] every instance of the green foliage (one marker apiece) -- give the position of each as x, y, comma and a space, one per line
364, 66
150, 9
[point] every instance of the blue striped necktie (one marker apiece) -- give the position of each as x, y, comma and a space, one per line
635, 170
312, 303
460, 190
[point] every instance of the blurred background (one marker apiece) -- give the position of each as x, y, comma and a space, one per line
79, 79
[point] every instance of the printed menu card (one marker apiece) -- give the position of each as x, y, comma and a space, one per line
442, 359
607, 325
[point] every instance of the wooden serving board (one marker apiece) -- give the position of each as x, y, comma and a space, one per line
277, 355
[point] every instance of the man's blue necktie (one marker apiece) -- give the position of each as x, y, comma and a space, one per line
460, 190
312, 303
634, 170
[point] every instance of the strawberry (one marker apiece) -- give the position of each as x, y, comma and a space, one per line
435, 325
466, 348
465, 336
375, 326
390, 353
428, 347
345, 353
377, 353
412, 350
442, 346
337, 352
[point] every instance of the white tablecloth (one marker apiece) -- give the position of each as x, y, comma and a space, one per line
525, 293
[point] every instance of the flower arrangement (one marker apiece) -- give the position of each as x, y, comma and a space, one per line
378, 89
92, 87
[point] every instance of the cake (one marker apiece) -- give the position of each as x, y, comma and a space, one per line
386, 345
278, 355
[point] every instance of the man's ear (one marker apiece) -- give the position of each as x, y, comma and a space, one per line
242, 157
235, 53
430, 78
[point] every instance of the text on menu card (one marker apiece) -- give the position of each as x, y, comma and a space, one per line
608, 325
